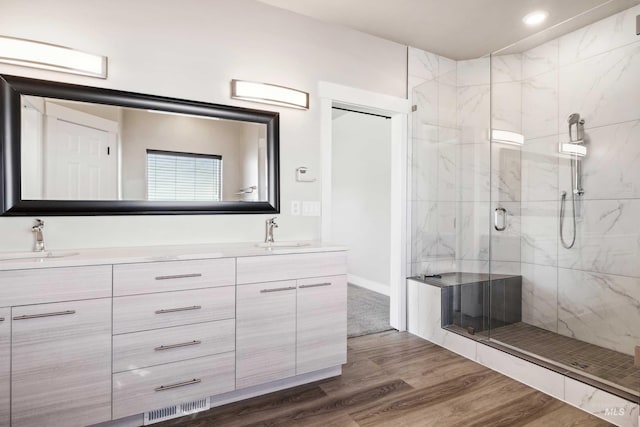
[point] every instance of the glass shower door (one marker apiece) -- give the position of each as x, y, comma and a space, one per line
565, 202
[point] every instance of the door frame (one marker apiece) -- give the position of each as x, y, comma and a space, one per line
398, 109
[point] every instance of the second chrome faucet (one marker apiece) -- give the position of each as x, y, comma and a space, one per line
39, 235
269, 226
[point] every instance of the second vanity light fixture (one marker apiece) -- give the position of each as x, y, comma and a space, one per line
269, 94
35, 54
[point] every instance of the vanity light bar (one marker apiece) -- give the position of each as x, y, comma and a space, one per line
507, 137
34, 54
576, 149
269, 94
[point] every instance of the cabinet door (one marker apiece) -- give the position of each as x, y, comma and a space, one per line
266, 332
61, 363
322, 323
5, 337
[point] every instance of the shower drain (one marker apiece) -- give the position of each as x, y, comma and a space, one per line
579, 365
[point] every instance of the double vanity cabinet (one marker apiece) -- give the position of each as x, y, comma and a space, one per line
100, 338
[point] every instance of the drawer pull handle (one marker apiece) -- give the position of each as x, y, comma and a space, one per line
179, 276
36, 316
173, 310
1, 319
316, 285
288, 288
184, 344
176, 385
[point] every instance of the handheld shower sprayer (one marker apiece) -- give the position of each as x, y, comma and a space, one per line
574, 119
576, 175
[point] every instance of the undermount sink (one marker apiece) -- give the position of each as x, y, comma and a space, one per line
35, 255
282, 245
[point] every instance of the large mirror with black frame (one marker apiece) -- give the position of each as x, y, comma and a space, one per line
78, 150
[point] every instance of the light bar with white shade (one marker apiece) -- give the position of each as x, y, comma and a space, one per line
576, 149
507, 137
34, 54
269, 94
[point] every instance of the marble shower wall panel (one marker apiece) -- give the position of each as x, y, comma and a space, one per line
424, 170
505, 172
506, 68
540, 59
598, 308
473, 113
602, 36
473, 231
474, 172
474, 72
448, 158
604, 89
607, 239
540, 105
539, 233
422, 65
540, 296
424, 236
506, 105
611, 171
425, 98
539, 172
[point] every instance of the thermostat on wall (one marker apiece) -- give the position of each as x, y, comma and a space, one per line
302, 174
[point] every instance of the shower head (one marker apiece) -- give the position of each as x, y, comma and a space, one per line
573, 119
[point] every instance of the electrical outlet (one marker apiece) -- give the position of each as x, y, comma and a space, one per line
295, 207
311, 208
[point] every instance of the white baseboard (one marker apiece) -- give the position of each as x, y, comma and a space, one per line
380, 288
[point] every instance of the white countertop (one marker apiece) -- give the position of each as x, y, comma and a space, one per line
161, 253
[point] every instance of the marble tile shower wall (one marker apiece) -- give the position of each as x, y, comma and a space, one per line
592, 291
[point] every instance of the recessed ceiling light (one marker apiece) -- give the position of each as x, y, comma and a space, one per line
535, 18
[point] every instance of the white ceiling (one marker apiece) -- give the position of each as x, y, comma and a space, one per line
458, 29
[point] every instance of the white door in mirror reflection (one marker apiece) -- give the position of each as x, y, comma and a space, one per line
80, 162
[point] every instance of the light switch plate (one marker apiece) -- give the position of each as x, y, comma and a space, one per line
311, 208
295, 207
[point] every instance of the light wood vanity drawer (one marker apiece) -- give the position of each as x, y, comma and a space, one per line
44, 285
144, 278
146, 389
270, 268
167, 309
149, 348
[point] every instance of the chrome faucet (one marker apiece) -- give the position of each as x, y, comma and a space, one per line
39, 244
270, 225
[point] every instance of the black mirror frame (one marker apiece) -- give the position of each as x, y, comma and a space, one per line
11, 204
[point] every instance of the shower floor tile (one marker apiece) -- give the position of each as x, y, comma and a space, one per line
599, 362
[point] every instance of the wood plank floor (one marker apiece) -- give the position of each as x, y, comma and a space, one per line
396, 379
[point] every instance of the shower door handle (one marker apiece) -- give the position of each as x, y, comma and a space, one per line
500, 219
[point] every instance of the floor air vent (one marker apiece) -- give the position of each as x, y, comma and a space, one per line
176, 411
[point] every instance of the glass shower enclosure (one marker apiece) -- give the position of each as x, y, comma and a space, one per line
525, 198
565, 162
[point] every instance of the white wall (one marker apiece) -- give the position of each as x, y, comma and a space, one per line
361, 185
192, 49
